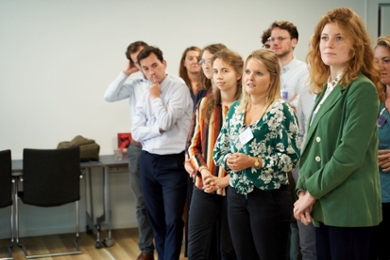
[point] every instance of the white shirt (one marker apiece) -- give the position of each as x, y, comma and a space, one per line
330, 86
304, 108
172, 112
133, 89
294, 77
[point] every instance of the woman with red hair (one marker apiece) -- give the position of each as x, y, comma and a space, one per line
338, 185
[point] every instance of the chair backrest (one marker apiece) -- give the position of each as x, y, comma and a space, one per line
51, 177
5, 178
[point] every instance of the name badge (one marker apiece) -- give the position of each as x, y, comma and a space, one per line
285, 94
246, 135
381, 121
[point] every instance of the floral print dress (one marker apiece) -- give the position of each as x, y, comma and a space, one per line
275, 140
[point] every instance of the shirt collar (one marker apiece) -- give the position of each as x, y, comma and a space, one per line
334, 82
289, 65
164, 83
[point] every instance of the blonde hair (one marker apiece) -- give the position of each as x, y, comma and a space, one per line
361, 55
270, 61
383, 41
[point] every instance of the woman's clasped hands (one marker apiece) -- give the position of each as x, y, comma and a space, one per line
239, 161
303, 207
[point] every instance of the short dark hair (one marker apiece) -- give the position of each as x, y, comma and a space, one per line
288, 26
133, 48
265, 36
149, 50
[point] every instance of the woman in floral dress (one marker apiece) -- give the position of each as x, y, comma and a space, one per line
258, 145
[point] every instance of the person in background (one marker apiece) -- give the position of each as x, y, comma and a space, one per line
207, 76
189, 69
295, 85
265, 39
209, 202
381, 238
284, 39
161, 123
124, 88
258, 144
205, 89
338, 185
307, 241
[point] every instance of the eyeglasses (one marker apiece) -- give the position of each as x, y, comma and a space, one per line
280, 38
203, 61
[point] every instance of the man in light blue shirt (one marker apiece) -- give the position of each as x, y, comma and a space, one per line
161, 124
124, 88
295, 87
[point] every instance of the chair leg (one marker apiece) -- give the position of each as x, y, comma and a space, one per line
75, 241
10, 257
9, 254
12, 234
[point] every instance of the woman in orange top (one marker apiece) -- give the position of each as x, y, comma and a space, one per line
209, 195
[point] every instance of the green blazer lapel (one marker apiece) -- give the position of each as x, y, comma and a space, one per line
333, 97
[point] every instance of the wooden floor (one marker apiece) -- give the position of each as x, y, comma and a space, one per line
125, 246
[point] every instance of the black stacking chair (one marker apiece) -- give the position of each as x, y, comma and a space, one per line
6, 181
50, 178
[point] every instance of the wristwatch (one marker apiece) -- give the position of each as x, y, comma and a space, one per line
257, 162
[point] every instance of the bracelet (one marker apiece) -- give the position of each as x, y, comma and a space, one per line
202, 168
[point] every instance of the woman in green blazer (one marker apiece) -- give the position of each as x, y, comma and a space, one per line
338, 186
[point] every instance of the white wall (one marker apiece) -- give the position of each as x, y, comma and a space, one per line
58, 57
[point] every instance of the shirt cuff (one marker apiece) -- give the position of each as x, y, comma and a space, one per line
156, 130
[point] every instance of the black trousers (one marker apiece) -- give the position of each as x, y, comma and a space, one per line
380, 246
259, 224
208, 211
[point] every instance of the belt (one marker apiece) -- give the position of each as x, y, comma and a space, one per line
136, 143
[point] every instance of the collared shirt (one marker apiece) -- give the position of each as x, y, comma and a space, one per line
274, 138
171, 112
119, 89
329, 87
201, 141
294, 77
304, 108
384, 143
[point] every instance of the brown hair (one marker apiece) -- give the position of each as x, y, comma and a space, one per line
149, 50
183, 70
288, 26
361, 55
265, 36
133, 48
206, 83
235, 61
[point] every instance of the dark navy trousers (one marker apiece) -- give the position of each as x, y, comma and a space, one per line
343, 243
164, 185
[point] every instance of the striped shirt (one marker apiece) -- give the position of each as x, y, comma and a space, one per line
201, 141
